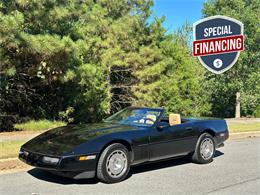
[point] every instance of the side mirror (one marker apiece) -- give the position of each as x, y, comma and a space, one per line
162, 125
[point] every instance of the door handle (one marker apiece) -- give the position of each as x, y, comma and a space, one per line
188, 128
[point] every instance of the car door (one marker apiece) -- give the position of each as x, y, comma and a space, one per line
172, 141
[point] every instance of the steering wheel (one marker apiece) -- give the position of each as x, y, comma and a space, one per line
148, 119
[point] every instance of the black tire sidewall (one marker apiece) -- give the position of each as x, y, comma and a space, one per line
107, 178
200, 159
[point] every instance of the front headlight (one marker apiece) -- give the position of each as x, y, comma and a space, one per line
50, 160
23, 152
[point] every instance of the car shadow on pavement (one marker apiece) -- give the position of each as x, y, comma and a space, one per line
49, 177
218, 153
165, 164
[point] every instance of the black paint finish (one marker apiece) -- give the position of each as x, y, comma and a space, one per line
144, 143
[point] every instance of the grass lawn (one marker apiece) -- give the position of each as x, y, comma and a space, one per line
9, 149
39, 125
236, 127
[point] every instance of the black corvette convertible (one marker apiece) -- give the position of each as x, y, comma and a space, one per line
132, 136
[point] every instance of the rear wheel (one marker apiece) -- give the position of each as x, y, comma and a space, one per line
114, 164
205, 149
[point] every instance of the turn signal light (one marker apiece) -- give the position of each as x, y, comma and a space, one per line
83, 158
91, 157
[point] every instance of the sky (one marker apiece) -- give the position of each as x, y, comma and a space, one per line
177, 12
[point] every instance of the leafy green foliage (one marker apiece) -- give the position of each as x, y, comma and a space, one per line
66, 115
244, 76
168, 76
81, 60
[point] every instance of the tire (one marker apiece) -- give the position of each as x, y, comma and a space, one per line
113, 164
205, 157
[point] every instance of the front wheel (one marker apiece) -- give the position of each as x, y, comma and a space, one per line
114, 164
205, 149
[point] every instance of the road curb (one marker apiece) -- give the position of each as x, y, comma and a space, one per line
14, 170
240, 135
12, 165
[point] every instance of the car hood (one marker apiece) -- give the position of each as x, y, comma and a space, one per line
63, 139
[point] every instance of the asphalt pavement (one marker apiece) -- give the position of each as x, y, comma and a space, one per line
235, 170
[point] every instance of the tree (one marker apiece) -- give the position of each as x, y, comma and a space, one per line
90, 58
169, 76
243, 77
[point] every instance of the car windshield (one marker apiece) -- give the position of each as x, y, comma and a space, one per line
135, 116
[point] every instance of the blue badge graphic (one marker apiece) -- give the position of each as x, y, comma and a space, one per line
218, 41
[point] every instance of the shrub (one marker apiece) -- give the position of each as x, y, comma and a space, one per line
7, 122
257, 112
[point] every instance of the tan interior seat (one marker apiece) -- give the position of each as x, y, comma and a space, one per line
174, 119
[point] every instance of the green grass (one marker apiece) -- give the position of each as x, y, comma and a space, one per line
39, 125
9, 149
235, 127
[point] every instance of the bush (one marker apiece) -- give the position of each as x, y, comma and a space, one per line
257, 112
67, 115
7, 122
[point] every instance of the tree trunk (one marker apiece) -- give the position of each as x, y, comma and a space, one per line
237, 115
109, 89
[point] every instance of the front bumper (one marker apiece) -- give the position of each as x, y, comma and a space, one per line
68, 166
